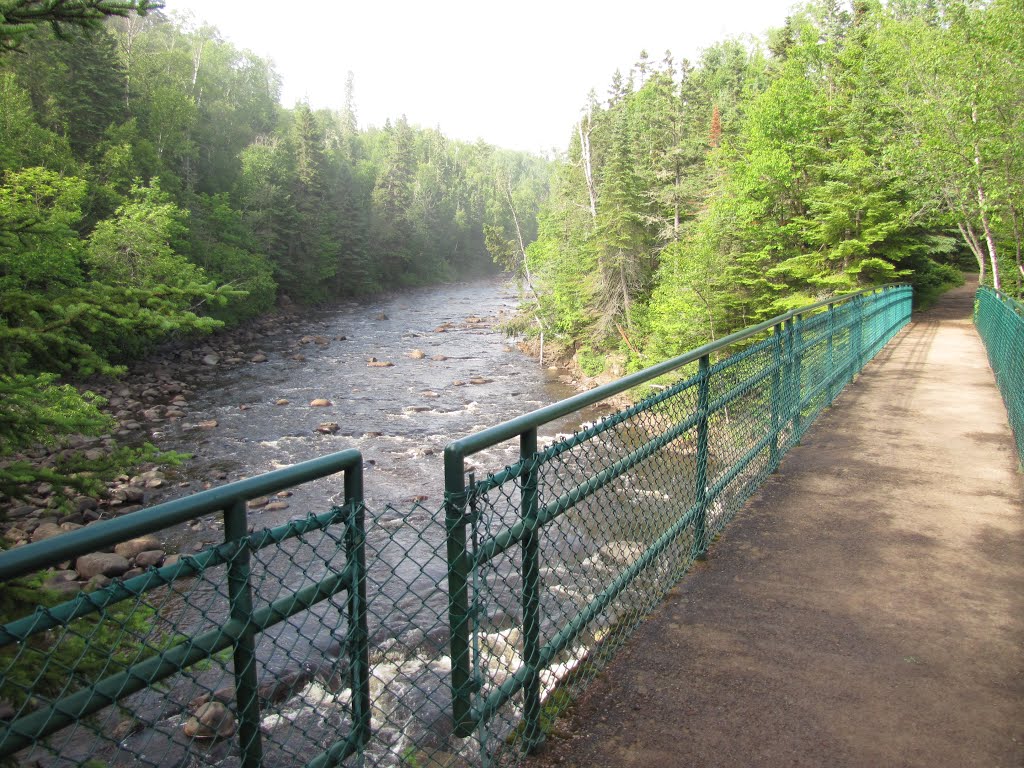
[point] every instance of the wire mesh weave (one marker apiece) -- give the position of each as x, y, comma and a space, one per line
564, 551
1000, 322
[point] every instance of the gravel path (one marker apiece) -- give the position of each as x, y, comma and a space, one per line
865, 609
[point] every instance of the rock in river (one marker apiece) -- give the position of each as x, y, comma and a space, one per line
211, 721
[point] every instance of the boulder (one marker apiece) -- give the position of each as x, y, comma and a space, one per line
320, 402
259, 357
46, 531
328, 428
101, 564
211, 359
149, 558
417, 354
211, 720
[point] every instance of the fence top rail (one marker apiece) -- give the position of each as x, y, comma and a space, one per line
512, 428
1017, 303
95, 537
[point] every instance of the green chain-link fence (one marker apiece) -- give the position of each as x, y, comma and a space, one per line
556, 558
201, 661
1000, 322
426, 637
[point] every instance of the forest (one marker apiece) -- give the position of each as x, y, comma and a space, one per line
855, 146
152, 187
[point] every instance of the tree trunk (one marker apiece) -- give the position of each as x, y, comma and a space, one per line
522, 254
990, 241
588, 169
967, 231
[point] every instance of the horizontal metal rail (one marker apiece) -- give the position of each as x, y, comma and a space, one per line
512, 428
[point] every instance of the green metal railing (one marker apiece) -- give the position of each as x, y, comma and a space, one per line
71, 670
1000, 322
575, 541
416, 636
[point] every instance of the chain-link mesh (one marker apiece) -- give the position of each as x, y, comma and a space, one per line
483, 619
1000, 322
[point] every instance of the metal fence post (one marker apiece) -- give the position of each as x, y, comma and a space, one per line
798, 359
236, 529
858, 330
358, 632
531, 590
787, 373
831, 393
776, 397
458, 597
700, 533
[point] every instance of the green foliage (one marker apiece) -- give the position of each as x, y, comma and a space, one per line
152, 186
39, 248
702, 198
89, 648
21, 18
590, 362
36, 409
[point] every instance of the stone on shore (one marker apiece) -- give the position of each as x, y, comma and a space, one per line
101, 564
151, 557
131, 548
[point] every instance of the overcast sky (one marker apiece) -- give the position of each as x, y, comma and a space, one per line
514, 74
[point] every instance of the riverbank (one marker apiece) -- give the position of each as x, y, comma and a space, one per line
397, 377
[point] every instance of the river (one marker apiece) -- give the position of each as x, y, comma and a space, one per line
470, 376
452, 372
404, 375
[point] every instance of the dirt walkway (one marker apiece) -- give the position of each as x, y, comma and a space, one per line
865, 609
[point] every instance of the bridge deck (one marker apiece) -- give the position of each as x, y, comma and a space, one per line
865, 609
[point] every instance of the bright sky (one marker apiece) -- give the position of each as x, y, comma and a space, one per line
512, 73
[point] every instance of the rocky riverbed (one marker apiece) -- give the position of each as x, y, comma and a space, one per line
396, 377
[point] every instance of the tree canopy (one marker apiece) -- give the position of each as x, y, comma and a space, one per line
861, 144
